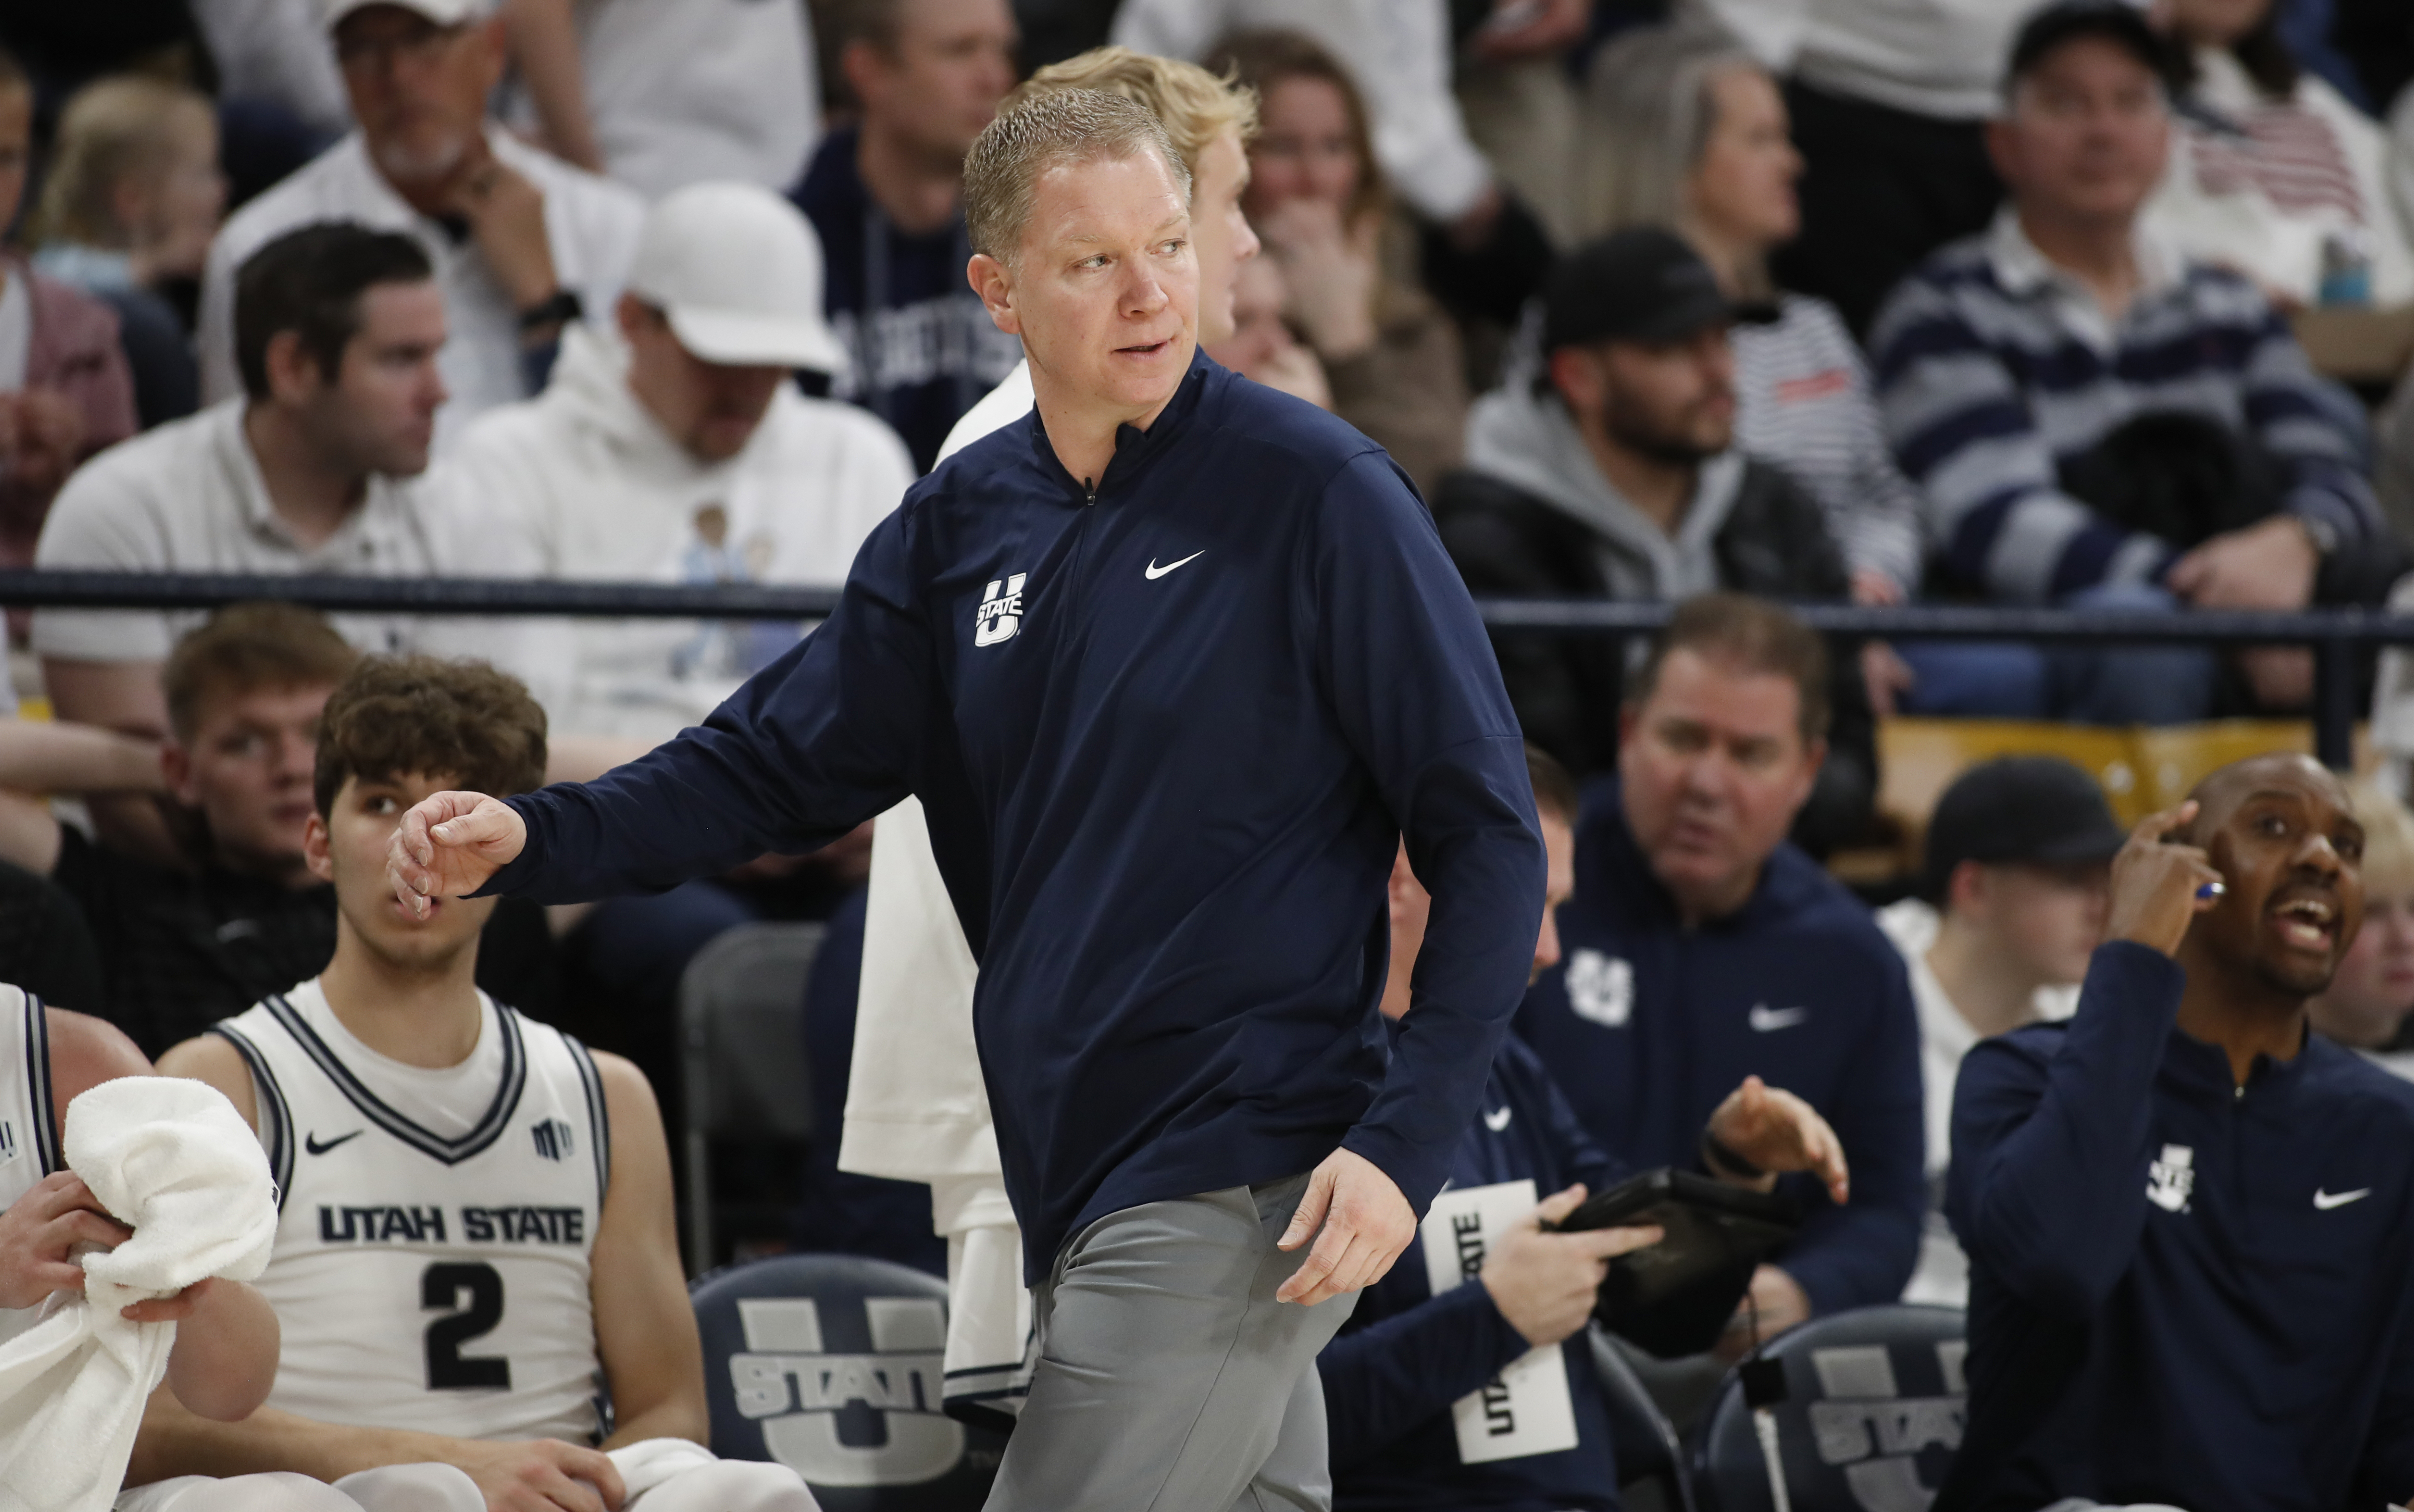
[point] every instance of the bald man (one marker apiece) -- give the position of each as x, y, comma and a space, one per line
2190, 1223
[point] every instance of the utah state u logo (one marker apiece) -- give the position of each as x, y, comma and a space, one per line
1000, 614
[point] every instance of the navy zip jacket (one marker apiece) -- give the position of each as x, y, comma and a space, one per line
1169, 743
1649, 1024
1405, 1355
2183, 1290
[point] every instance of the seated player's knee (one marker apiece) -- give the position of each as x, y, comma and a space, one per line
418, 1488
730, 1486
277, 1491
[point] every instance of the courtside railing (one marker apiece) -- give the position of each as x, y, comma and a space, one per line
2334, 635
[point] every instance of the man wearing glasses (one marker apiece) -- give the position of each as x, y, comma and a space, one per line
522, 242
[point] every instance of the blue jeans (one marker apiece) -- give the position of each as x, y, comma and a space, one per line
2085, 684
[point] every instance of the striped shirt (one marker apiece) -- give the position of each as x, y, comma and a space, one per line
1994, 368
1803, 406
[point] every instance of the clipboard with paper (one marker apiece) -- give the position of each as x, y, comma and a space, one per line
1527, 1408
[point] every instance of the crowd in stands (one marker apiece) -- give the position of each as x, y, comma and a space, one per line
1701, 302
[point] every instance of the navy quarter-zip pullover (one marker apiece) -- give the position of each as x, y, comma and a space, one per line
1168, 742
2182, 1290
1406, 1356
1648, 1025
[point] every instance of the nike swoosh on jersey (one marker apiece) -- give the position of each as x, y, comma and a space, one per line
1768, 1020
2328, 1200
311, 1142
1498, 1121
1156, 572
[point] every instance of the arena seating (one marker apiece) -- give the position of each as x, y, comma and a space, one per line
744, 1070
1872, 1416
832, 1366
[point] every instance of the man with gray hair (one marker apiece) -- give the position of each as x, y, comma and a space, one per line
1173, 663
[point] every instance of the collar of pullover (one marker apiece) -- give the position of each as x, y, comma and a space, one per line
2201, 1068
1133, 445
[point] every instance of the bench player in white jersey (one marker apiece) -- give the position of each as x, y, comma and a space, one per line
225, 1352
475, 1265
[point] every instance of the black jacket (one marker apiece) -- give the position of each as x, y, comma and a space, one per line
1567, 688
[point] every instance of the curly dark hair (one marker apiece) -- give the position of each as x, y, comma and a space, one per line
425, 716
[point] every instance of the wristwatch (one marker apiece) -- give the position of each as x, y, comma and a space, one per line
563, 309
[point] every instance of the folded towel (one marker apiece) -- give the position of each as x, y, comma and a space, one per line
174, 1162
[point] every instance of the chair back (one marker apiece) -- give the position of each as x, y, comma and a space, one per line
1873, 1412
1644, 1442
743, 1065
831, 1365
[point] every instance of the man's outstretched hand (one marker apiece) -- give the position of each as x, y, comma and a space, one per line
448, 845
1777, 1131
1366, 1223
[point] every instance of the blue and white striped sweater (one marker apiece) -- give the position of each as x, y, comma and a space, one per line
1992, 374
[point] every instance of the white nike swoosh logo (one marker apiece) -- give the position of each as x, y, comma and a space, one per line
2328, 1200
1156, 572
1768, 1020
1498, 1121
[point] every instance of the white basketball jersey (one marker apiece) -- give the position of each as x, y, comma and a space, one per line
28, 1150
426, 1281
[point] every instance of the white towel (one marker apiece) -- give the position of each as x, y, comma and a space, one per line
918, 1109
174, 1162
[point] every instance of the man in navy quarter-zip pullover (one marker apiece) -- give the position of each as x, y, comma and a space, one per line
2191, 1223
1701, 948
1174, 664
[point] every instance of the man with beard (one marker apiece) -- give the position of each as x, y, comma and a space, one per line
2186, 1217
523, 243
1614, 475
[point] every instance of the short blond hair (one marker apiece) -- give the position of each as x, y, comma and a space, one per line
1193, 105
113, 130
1044, 131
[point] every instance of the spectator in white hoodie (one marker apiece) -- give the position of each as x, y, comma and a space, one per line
2014, 889
676, 449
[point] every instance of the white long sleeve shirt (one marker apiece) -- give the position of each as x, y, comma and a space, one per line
1399, 53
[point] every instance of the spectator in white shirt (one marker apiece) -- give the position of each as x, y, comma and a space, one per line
522, 243
2015, 891
2366, 1005
677, 450
2272, 172
314, 470
1398, 52
664, 95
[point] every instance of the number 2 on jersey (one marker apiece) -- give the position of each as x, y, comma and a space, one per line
442, 1287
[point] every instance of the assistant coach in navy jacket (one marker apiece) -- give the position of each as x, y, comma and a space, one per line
2190, 1221
1173, 664
1701, 948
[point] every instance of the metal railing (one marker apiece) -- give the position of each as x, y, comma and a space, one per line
2334, 635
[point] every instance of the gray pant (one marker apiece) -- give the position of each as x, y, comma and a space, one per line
1169, 1376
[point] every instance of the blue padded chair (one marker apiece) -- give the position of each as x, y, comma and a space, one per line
1872, 1415
1644, 1441
832, 1366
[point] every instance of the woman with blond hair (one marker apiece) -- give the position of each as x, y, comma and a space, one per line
1693, 137
132, 201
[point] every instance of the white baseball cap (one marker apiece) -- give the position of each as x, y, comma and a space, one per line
739, 272
442, 12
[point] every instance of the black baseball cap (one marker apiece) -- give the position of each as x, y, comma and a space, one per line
1643, 284
2115, 21
2038, 810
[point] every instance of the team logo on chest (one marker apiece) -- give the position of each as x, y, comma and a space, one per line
2170, 1179
1000, 614
1601, 989
554, 1139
